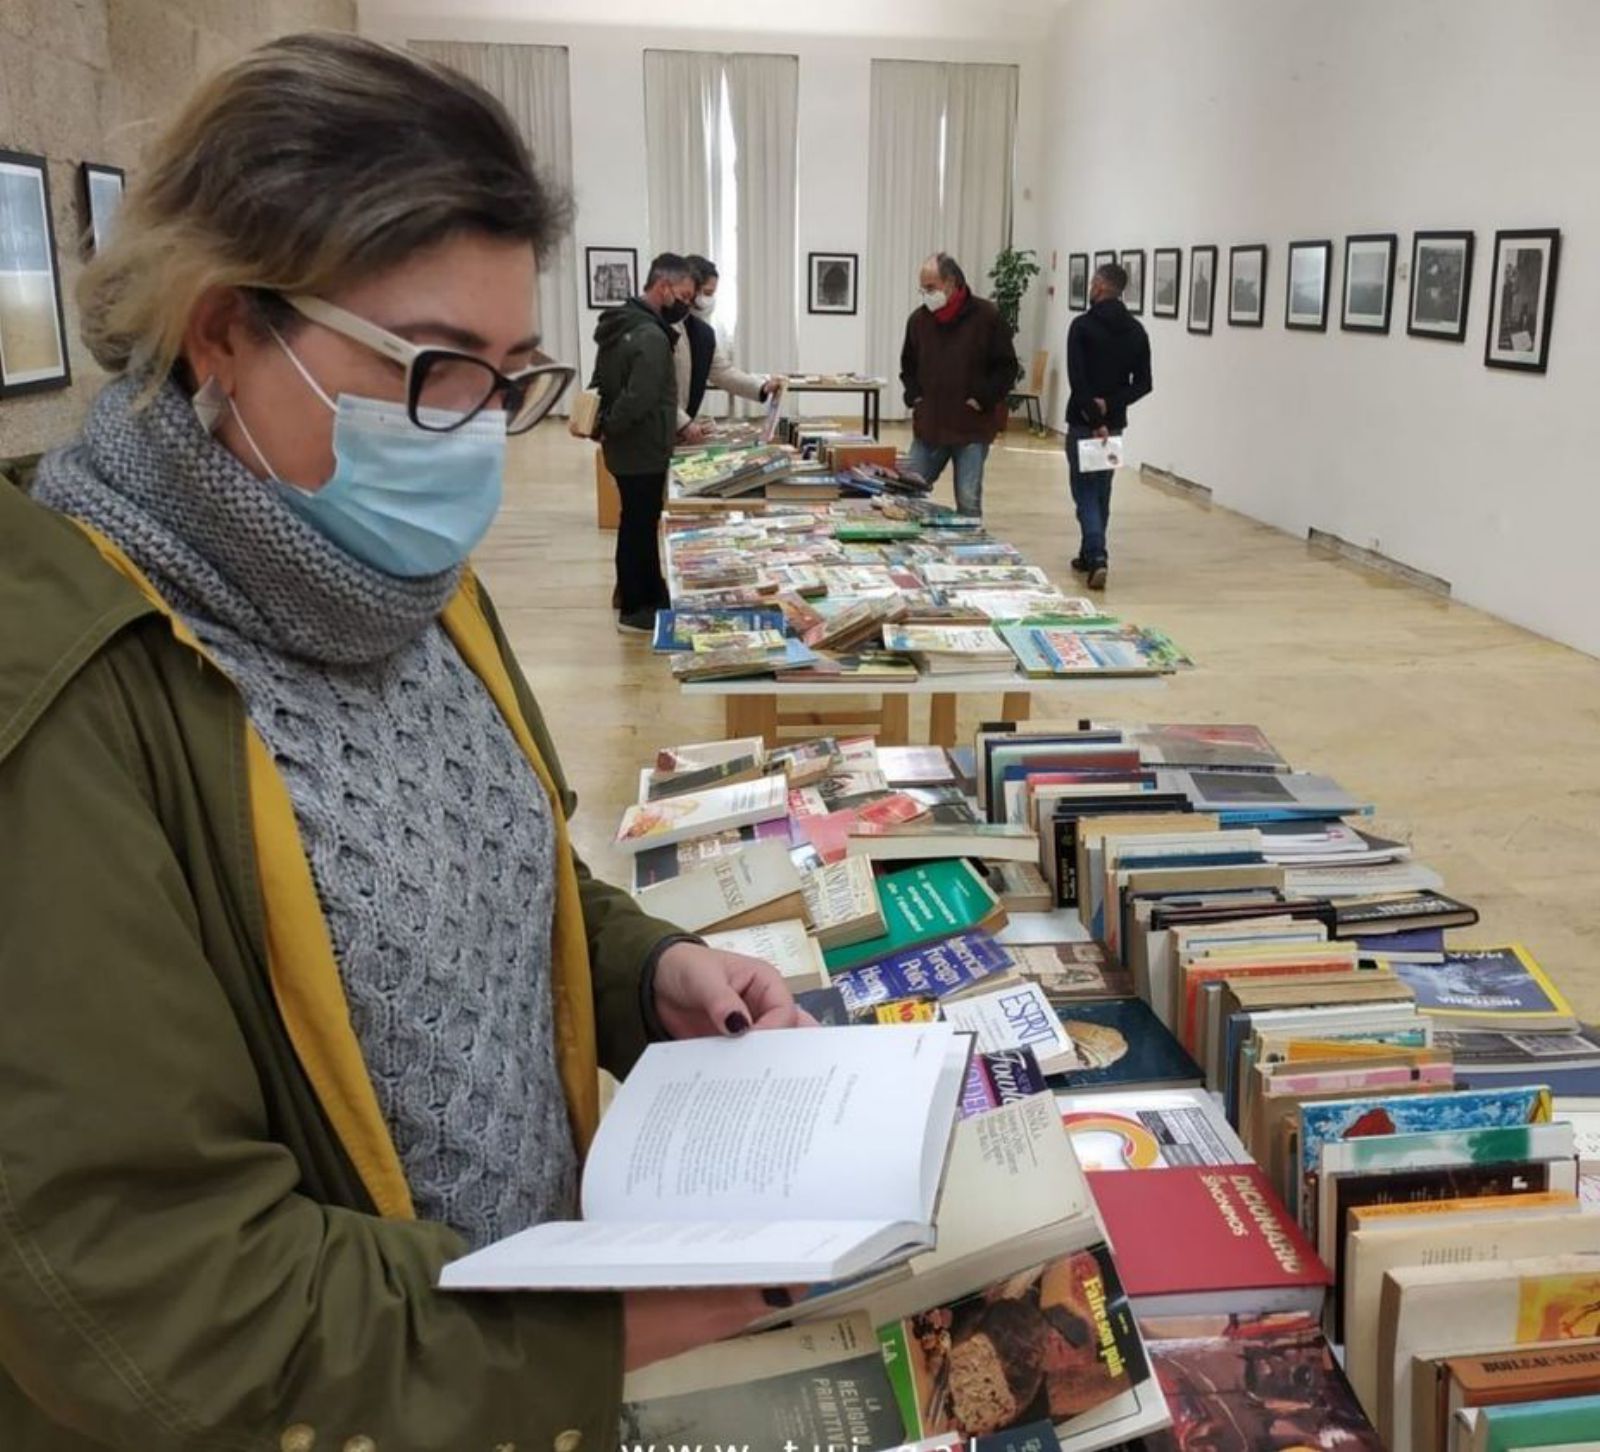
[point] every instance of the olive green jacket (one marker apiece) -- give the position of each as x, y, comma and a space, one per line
191, 1250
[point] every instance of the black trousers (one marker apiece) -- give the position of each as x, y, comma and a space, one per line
640, 585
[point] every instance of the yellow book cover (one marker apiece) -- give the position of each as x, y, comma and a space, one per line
907, 1010
1559, 1307
1364, 1215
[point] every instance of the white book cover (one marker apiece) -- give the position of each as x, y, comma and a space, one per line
1150, 1129
724, 887
1097, 455
720, 1163
697, 814
785, 944
1015, 1017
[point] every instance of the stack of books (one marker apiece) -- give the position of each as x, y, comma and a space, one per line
1340, 1160
960, 602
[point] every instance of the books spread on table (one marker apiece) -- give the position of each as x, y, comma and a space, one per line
682, 1187
1233, 1057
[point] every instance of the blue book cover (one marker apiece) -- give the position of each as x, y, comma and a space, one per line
1121, 1044
1324, 1121
1421, 940
931, 972
674, 628
1503, 984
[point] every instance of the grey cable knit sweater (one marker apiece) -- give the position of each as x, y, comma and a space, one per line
430, 839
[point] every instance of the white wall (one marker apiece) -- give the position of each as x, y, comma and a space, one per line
607, 73
1240, 121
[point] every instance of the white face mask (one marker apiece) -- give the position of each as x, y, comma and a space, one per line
933, 299
705, 306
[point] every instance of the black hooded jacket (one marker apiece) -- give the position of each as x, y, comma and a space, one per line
1108, 357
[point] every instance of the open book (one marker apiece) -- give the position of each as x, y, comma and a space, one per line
784, 1157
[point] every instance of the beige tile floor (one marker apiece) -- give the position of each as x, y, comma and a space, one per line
1479, 742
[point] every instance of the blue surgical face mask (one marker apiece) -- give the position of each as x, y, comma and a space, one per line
402, 499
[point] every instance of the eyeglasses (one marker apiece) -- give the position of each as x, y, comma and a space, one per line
445, 388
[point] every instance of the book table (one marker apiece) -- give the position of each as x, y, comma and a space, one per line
870, 389
753, 704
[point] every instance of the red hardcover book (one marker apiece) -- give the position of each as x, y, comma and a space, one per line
1208, 1238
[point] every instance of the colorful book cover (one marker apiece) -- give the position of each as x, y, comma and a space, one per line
1558, 1307
921, 905
1253, 1384
656, 865
1048, 1344
1121, 1044
676, 629
932, 972
1153, 1131
1504, 985
844, 1403
1564, 1424
1000, 1077
1339, 1119
1234, 747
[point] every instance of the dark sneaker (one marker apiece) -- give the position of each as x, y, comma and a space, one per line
1097, 578
1078, 566
637, 622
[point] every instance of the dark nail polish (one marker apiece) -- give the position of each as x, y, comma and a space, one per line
736, 1023
778, 1298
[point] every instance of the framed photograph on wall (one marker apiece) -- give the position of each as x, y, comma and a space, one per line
33, 329
613, 275
1077, 281
1306, 292
1202, 287
1522, 299
1368, 282
1247, 285
831, 282
1133, 264
102, 188
1166, 281
1441, 285
1100, 260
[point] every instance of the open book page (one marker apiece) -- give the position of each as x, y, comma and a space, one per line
788, 1124
643, 1255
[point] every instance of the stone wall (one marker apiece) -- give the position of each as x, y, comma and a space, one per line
91, 80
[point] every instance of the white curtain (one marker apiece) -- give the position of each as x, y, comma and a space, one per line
531, 82
904, 223
979, 143
763, 102
940, 154
682, 110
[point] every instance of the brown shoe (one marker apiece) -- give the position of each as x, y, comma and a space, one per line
1097, 578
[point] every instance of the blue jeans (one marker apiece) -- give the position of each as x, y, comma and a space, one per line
1091, 493
929, 460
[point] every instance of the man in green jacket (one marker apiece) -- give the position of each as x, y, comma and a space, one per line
638, 388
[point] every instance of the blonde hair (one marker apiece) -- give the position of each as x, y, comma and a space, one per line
312, 162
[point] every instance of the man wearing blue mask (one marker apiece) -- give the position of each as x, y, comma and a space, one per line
638, 387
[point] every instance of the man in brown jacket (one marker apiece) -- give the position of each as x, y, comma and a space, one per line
957, 366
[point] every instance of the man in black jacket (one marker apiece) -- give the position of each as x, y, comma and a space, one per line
1108, 368
638, 388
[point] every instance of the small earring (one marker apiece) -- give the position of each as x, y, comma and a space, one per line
209, 401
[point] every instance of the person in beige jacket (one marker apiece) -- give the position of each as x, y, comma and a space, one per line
702, 358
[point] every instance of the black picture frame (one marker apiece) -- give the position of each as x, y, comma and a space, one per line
1307, 319
30, 268
1077, 281
1367, 319
1501, 297
100, 191
1172, 256
817, 285
1447, 280
1202, 283
618, 281
1100, 259
1238, 258
1132, 261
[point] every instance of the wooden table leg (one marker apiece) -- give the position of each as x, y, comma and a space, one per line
1016, 706
941, 719
752, 716
895, 721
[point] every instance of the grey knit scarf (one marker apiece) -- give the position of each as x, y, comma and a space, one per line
430, 839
